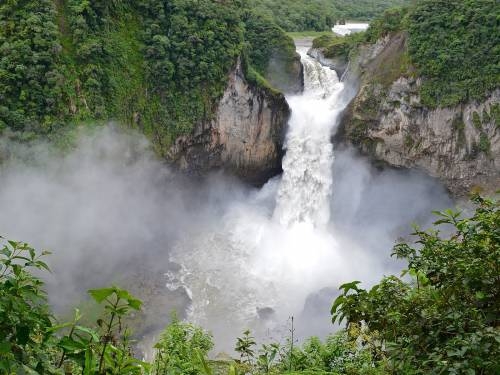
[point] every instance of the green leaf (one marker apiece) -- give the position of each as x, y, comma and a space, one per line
131, 300
71, 345
90, 363
59, 326
206, 369
353, 285
100, 295
135, 303
93, 334
6, 251
43, 265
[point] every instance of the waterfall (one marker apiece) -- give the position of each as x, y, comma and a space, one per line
252, 268
306, 185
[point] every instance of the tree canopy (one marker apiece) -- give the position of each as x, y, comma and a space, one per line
158, 65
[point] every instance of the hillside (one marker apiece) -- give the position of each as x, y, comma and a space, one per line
420, 103
161, 67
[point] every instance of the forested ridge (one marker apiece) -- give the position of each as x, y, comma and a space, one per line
157, 65
320, 15
454, 45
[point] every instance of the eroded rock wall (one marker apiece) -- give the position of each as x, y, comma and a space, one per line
460, 145
245, 138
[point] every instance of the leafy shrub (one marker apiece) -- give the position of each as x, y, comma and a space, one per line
336, 46
25, 319
476, 121
445, 320
390, 21
182, 349
446, 39
484, 143
29, 338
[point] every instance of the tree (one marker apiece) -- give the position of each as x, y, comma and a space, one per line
24, 315
444, 319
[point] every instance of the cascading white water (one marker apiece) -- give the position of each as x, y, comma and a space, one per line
259, 263
306, 184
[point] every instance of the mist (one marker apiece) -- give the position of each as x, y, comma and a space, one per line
111, 212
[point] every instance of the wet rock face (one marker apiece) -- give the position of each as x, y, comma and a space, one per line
286, 76
460, 145
245, 138
339, 64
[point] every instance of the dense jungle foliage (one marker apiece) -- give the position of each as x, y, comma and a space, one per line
442, 315
159, 65
453, 44
319, 15
439, 317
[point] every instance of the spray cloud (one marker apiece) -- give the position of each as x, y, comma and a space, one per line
231, 257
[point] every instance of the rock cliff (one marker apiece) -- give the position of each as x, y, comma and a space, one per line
339, 64
460, 145
245, 136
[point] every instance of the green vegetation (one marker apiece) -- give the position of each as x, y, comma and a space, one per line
391, 21
182, 349
338, 46
159, 66
307, 34
31, 88
476, 121
444, 40
458, 126
440, 316
190, 48
32, 342
455, 46
495, 113
484, 143
320, 15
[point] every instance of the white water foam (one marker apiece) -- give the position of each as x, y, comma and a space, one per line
256, 267
306, 185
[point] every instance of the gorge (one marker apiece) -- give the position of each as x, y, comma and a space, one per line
229, 187
233, 257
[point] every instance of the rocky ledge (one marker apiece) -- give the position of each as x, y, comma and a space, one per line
460, 145
245, 138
